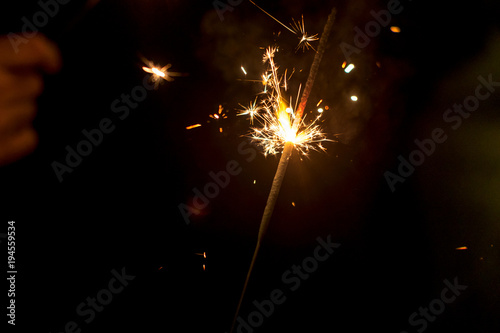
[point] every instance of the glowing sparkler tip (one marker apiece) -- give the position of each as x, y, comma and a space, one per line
354, 98
277, 118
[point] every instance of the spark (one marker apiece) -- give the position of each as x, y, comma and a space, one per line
193, 126
305, 39
251, 110
461, 248
320, 110
219, 115
204, 254
159, 73
395, 29
354, 98
349, 68
298, 28
276, 118
319, 103
271, 16
244, 71
265, 80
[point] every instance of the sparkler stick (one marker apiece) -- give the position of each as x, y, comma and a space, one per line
314, 68
285, 156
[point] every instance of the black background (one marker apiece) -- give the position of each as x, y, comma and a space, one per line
119, 208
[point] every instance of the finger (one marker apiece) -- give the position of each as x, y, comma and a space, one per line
38, 52
18, 146
16, 118
19, 85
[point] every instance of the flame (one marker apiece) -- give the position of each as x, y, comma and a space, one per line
277, 117
287, 131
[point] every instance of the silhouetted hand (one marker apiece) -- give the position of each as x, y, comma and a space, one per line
21, 83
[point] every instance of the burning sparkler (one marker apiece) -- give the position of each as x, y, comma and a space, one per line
288, 129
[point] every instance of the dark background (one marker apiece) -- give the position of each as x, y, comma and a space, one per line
119, 208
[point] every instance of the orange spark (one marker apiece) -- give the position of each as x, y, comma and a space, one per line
395, 29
